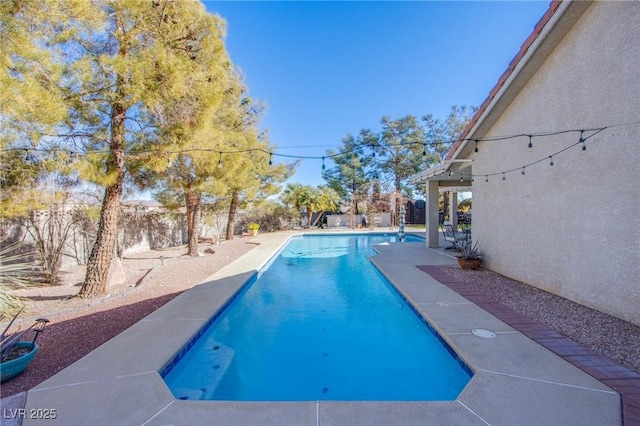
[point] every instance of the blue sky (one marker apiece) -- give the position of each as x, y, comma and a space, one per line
326, 69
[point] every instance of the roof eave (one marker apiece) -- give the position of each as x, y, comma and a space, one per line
540, 32
430, 173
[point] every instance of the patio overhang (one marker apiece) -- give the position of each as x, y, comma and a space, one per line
457, 172
452, 176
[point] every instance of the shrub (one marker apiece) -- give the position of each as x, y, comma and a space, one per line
470, 251
15, 273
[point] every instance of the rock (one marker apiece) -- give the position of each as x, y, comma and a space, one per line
116, 273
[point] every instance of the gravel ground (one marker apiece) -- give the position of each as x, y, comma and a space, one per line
78, 326
616, 339
154, 278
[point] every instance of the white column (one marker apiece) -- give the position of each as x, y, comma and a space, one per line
431, 213
453, 209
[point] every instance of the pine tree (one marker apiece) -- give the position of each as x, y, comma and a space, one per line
109, 69
350, 178
187, 140
30, 100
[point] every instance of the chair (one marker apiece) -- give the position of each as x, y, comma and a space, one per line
457, 239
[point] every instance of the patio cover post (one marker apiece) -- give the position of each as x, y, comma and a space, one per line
433, 195
453, 209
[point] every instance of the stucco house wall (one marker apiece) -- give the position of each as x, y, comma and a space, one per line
573, 228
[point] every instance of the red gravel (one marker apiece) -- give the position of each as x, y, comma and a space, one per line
612, 337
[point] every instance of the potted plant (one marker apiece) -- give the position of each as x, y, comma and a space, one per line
17, 354
470, 257
253, 228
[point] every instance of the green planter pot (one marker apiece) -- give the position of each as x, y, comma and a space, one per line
16, 366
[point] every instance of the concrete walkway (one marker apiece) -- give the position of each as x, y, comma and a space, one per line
516, 381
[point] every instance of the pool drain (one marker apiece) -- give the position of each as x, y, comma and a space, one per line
485, 334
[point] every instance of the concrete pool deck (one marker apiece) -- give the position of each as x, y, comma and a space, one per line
516, 380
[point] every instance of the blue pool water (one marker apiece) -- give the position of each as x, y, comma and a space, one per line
320, 323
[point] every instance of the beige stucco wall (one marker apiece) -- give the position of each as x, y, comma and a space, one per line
573, 228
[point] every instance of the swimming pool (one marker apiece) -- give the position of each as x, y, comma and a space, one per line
319, 323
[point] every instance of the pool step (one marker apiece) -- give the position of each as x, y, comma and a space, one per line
201, 385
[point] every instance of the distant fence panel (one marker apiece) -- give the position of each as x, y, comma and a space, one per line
359, 220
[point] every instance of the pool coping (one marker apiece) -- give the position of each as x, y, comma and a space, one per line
516, 380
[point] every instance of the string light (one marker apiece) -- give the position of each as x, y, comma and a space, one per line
530, 143
550, 157
71, 155
424, 150
504, 177
237, 151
